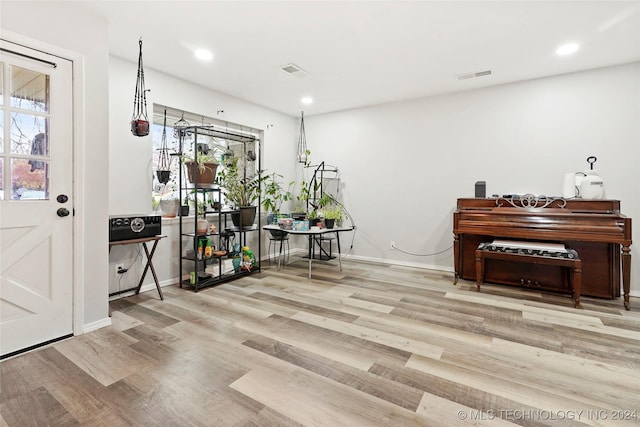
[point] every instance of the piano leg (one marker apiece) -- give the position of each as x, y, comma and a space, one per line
626, 275
456, 258
576, 283
479, 269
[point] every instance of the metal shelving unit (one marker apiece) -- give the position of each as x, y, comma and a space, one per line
216, 269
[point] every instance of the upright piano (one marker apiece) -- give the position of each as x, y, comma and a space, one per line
596, 229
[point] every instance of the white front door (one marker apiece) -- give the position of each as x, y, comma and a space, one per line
36, 200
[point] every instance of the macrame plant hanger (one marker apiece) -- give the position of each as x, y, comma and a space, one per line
179, 128
139, 119
163, 170
303, 152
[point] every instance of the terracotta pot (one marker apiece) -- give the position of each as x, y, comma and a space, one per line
208, 176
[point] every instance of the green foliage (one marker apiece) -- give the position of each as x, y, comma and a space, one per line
204, 155
238, 190
275, 193
333, 212
325, 200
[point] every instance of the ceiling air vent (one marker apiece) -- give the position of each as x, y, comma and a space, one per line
294, 70
473, 75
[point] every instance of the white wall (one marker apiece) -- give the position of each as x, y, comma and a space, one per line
130, 156
61, 26
403, 165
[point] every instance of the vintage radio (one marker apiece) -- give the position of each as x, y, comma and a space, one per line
134, 227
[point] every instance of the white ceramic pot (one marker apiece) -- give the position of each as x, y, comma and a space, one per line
169, 207
202, 226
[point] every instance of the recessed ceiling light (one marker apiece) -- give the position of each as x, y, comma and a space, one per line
567, 49
306, 100
204, 54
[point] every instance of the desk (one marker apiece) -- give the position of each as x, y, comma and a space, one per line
311, 234
144, 241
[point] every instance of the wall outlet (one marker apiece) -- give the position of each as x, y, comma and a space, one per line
120, 269
392, 245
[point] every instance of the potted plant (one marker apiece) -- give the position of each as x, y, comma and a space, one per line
316, 210
332, 214
241, 192
274, 194
203, 170
202, 166
184, 208
170, 204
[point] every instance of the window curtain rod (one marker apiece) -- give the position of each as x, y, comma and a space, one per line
53, 64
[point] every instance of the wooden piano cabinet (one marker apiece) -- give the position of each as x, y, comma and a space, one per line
594, 228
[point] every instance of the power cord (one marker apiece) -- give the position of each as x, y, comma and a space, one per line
137, 257
350, 218
411, 253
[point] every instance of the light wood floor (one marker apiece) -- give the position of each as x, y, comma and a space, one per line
373, 345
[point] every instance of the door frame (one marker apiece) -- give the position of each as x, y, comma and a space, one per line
79, 188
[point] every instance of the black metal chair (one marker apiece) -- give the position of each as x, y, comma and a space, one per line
280, 243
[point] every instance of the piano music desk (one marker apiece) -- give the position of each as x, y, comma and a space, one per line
574, 264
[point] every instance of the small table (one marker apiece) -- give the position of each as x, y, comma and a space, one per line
144, 241
311, 234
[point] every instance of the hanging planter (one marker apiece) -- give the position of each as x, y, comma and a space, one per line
163, 169
180, 129
139, 119
303, 152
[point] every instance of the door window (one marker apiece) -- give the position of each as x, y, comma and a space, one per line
24, 126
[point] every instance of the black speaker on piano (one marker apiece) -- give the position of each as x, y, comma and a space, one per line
481, 189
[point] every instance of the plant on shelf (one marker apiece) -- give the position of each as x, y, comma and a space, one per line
240, 191
274, 195
202, 166
184, 208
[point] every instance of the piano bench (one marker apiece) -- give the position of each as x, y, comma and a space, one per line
484, 252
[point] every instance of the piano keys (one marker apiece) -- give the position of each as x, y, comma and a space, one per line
595, 229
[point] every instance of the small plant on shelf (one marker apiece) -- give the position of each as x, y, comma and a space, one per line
333, 212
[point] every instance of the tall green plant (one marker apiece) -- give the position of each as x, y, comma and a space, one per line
275, 193
237, 189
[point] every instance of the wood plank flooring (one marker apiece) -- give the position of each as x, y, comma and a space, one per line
373, 345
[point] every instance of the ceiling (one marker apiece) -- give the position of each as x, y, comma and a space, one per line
361, 53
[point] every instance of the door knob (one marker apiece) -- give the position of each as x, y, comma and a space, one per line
62, 198
62, 212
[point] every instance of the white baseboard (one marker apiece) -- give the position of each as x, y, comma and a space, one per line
152, 287
93, 326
